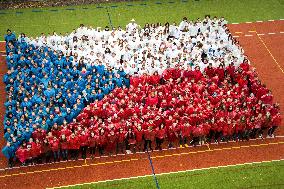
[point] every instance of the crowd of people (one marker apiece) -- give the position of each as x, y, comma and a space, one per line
114, 91
22, 4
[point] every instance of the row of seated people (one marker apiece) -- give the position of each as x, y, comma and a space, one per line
179, 106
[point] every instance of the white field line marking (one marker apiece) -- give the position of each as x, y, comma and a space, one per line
236, 36
235, 23
271, 33
260, 34
270, 54
281, 32
167, 173
259, 21
248, 22
271, 20
248, 35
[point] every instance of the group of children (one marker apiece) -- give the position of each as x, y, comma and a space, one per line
110, 92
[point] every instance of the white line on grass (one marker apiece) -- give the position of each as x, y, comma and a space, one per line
167, 173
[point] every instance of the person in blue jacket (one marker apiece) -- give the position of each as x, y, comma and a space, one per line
10, 37
9, 153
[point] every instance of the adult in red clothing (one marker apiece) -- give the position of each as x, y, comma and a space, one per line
120, 141
102, 141
83, 138
130, 140
111, 142
37, 151
139, 137
160, 136
64, 147
46, 150
22, 153
210, 71
185, 131
92, 143
54, 145
172, 134
152, 100
74, 145
149, 136
276, 122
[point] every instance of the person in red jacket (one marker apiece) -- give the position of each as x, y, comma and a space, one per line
102, 141
92, 144
152, 100
160, 136
120, 141
64, 147
139, 137
185, 131
74, 146
32, 151
149, 137
111, 142
83, 138
37, 151
54, 144
22, 153
130, 140
46, 150
276, 121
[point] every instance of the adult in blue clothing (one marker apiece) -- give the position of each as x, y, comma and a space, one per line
10, 37
9, 153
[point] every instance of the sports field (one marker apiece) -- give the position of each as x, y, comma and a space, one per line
64, 19
262, 42
258, 175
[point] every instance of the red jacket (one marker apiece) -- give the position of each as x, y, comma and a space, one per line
64, 144
161, 133
74, 143
54, 144
84, 140
149, 135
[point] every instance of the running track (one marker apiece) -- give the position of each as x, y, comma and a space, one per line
262, 42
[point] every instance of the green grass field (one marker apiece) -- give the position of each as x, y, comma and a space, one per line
265, 175
59, 19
